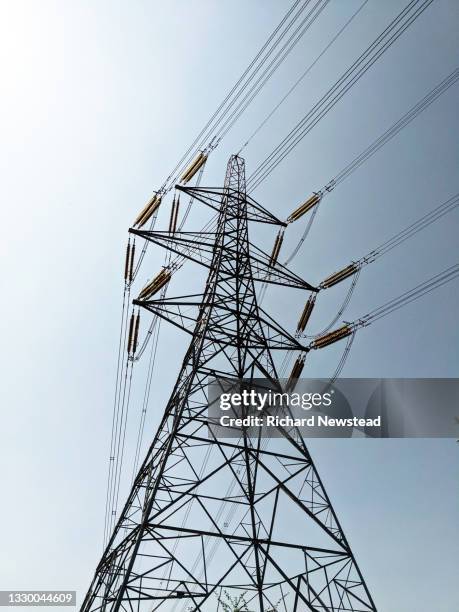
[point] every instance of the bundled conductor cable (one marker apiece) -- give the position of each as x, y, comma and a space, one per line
347, 80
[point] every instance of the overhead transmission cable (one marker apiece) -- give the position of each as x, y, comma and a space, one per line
367, 153
206, 137
271, 68
116, 459
347, 349
424, 288
146, 396
384, 138
245, 74
348, 79
411, 230
239, 88
208, 133
303, 75
120, 366
209, 141
436, 92
121, 445
409, 116
399, 238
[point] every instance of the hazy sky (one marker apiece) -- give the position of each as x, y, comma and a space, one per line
99, 99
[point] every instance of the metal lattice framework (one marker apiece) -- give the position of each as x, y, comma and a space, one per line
204, 514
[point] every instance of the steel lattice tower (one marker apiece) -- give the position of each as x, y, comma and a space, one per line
207, 514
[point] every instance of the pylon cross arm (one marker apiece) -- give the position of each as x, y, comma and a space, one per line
212, 197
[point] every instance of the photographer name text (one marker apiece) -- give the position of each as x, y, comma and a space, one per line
312, 420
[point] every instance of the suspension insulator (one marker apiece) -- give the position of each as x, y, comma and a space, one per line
126, 263
136, 334
155, 285
305, 315
171, 220
131, 333
149, 210
193, 168
276, 248
144, 210
131, 265
304, 208
295, 373
331, 337
337, 277
174, 215
177, 205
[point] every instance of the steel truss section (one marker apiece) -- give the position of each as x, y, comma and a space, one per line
208, 515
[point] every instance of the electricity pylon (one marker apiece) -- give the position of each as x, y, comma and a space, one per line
205, 515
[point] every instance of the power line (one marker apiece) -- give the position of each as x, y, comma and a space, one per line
399, 238
349, 330
409, 296
411, 230
348, 79
435, 93
303, 75
272, 67
120, 366
207, 136
383, 139
234, 88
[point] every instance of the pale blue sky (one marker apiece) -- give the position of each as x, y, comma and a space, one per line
98, 101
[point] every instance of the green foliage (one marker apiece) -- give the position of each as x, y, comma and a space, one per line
234, 604
239, 604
